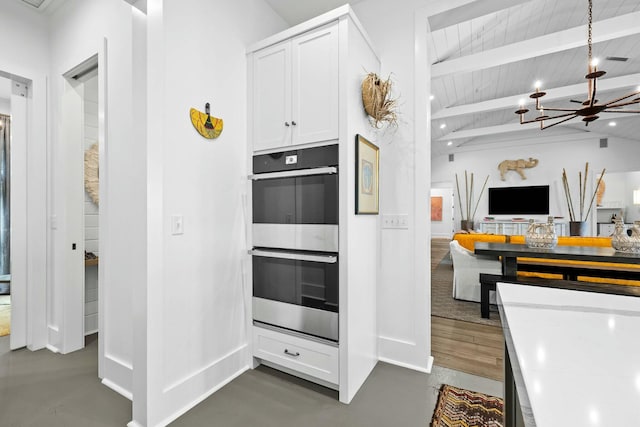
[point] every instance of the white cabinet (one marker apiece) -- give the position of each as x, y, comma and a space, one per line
305, 91
314, 359
295, 90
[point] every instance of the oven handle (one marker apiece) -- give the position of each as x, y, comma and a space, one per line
293, 173
328, 259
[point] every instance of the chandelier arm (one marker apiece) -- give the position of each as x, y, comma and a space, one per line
559, 116
573, 116
622, 104
613, 101
559, 109
621, 111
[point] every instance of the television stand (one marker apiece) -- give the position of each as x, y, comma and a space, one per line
510, 227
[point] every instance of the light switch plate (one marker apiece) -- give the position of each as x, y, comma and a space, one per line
177, 224
395, 221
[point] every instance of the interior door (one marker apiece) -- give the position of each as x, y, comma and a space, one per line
71, 237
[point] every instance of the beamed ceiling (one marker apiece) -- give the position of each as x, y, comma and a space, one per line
487, 54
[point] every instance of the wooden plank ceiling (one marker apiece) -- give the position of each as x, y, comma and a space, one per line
487, 54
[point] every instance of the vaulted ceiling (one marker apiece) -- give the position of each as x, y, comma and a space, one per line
487, 55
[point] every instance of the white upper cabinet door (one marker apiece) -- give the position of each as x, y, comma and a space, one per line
272, 97
315, 86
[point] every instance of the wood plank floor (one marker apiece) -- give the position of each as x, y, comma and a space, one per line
465, 346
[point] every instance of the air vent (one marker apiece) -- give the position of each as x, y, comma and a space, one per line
451, 157
617, 58
604, 142
34, 3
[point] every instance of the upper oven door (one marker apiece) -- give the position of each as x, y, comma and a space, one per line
296, 208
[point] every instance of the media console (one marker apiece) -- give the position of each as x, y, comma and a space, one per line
512, 227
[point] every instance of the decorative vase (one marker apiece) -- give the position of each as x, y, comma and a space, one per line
466, 224
542, 235
578, 228
623, 242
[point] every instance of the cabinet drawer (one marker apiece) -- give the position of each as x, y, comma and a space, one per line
308, 357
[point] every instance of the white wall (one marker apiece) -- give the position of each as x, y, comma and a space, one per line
25, 56
79, 30
360, 246
194, 312
554, 154
5, 94
619, 188
403, 294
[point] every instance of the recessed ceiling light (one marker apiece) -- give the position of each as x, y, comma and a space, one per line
612, 124
431, 97
442, 126
450, 143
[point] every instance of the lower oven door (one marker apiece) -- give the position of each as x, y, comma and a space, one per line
297, 291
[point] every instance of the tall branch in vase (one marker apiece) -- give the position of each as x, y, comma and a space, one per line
469, 212
582, 186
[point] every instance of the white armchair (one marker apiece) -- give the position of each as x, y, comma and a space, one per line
466, 272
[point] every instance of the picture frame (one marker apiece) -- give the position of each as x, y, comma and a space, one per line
367, 177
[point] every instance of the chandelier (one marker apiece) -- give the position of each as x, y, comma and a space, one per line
590, 108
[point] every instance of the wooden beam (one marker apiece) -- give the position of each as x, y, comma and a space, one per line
553, 94
517, 127
470, 11
608, 29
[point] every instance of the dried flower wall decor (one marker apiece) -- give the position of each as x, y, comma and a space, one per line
377, 102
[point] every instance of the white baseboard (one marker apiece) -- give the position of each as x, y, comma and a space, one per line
235, 362
426, 370
115, 387
118, 376
52, 348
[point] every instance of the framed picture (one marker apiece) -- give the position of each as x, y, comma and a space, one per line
436, 208
367, 170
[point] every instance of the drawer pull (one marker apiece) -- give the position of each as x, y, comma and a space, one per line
288, 353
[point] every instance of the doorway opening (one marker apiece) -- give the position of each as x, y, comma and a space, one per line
89, 80
5, 214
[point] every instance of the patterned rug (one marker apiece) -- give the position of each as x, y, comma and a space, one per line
457, 407
442, 302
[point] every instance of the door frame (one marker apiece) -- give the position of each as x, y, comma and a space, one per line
29, 209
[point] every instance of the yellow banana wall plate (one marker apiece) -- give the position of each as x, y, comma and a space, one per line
206, 125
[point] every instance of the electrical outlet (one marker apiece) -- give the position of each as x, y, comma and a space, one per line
395, 221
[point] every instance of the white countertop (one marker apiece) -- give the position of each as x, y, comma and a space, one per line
575, 355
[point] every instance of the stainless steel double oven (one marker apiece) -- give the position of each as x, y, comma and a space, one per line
295, 240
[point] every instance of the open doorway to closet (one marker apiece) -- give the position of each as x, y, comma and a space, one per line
89, 79
79, 203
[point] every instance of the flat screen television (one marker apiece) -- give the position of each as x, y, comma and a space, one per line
533, 200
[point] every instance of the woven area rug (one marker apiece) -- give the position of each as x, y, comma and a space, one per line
442, 302
458, 407
5, 315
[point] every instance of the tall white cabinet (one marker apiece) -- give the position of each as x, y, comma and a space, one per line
304, 92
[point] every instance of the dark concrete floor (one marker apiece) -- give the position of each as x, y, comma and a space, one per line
45, 389
41, 388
